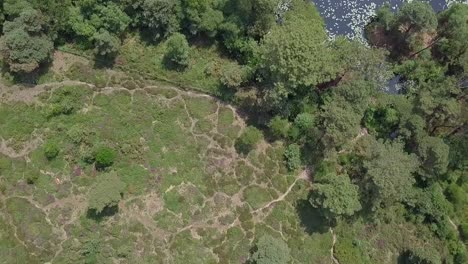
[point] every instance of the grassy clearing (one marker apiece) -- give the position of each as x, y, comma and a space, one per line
203, 71
186, 194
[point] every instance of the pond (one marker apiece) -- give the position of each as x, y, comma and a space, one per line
348, 17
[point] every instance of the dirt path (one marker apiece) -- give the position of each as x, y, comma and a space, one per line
279, 199
332, 249
304, 175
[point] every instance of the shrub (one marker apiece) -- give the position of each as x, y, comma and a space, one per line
177, 55
32, 177
104, 157
51, 150
292, 155
279, 127
247, 141
233, 76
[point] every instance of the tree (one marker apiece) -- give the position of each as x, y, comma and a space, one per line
106, 193
417, 16
297, 54
202, 16
110, 17
270, 250
234, 76
107, 45
453, 33
160, 18
438, 101
434, 155
292, 155
279, 127
366, 66
389, 171
340, 122
248, 140
177, 54
385, 18
336, 196
433, 207
304, 121
24, 45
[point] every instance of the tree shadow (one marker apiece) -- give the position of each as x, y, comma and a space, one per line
106, 212
311, 219
27, 78
103, 62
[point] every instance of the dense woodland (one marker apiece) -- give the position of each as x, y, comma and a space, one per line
376, 156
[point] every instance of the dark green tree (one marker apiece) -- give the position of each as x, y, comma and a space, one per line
389, 172
159, 18
434, 154
340, 123
178, 50
292, 155
104, 157
107, 45
25, 45
270, 250
279, 127
335, 196
297, 54
249, 139
110, 17
416, 16
106, 193
453, 33
202, 16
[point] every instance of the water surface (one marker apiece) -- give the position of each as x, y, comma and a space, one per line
348, 17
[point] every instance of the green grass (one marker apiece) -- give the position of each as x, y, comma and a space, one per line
203, 71
257, 196
186, 198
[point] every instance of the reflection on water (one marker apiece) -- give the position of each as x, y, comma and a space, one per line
348, 17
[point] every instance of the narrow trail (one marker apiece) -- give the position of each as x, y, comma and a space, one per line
304, 175
332, 249
279, 199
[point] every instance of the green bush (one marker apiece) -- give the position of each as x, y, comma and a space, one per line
104, 157
455, 194
292, 155
178, 50
247, 141
51, 150
233, 76
279, 127
464, 231
304, 121
32, 177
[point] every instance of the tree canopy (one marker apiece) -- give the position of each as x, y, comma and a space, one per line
270, 250
336, 196
106, 193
